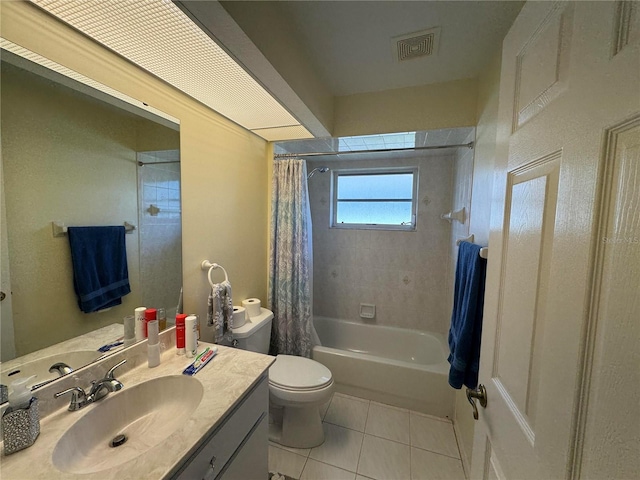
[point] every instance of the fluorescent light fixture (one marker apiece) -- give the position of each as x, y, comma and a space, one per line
158, 37
56, 67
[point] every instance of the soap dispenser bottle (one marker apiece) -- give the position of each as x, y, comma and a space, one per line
21, 421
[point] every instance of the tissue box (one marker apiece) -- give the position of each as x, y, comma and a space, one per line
20, 427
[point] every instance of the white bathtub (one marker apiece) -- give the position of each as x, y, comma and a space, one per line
400, 367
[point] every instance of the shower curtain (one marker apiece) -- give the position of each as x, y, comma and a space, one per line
291, 260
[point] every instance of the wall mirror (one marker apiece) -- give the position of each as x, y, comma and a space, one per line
79, 154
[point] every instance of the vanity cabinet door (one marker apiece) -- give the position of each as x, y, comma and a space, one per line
243, 424
251, 461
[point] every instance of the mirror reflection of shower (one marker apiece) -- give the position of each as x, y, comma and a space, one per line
318, 169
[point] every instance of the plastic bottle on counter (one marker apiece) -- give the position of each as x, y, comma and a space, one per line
162, 319
149, 316
139, 320
180, 333
191, 335
153, 344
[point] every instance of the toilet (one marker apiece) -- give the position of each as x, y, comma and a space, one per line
298, 386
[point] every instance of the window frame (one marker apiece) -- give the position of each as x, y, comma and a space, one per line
336, 173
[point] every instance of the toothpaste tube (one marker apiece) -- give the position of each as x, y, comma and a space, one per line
200, 361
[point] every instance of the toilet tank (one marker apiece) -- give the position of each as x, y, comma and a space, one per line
255, 335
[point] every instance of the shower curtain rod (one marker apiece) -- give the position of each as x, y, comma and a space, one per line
379, 150
142, 164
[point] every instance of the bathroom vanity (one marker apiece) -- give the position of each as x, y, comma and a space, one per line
236, 449
213, 425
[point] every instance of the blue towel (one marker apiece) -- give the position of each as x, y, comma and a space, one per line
100, 275
465, 332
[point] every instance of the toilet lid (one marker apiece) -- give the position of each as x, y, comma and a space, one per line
298, 373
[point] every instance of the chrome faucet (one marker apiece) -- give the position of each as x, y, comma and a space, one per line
99, 389
60, 367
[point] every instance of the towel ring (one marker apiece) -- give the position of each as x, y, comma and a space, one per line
206, 264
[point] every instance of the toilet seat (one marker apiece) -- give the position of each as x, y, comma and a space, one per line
298, 374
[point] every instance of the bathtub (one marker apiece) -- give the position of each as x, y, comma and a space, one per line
397, 366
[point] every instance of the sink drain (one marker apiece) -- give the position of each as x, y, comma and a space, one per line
118, 440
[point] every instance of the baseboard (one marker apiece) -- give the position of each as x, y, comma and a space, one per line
463, 454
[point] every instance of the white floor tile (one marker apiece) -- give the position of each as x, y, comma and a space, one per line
321, 471
349, 412
434, 435
383, 459
432, 466
341, 447
298, 451
388, 422
285, 462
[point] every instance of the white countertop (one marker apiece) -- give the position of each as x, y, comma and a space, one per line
90, 341
225, 380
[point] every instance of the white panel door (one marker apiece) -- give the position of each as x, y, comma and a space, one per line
570, 80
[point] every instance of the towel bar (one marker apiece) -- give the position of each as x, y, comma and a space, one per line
60, 229
484, 251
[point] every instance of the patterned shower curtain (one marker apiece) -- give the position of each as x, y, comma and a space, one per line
290, 260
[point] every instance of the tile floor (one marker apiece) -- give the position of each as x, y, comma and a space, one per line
368, 440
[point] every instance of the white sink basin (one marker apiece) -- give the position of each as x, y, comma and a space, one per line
146, 414
40, 367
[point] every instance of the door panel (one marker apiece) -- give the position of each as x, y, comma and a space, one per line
493, 471
542, 65
613, 418
529, 225
562, 87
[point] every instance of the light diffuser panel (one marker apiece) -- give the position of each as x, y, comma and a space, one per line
157, 36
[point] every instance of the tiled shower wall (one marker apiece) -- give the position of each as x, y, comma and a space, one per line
405, 274
160, 231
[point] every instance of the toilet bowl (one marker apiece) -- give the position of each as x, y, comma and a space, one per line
298, 387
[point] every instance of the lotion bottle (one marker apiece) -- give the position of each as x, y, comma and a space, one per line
191, 335
180, 333
153, 344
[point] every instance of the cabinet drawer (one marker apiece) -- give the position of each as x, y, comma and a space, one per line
225, 440
251, 462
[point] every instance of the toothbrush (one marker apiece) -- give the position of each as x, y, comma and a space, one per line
109, 346
201, 360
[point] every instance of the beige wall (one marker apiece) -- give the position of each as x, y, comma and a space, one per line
481, 192
429, 107
223, 165
69, 158
400, 272
7, 339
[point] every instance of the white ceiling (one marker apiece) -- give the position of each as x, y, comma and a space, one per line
349, 43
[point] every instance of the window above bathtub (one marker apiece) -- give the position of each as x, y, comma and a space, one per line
374, 198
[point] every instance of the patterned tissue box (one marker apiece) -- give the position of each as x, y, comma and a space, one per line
20, 427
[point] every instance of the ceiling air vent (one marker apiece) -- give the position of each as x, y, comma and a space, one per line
417, 44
